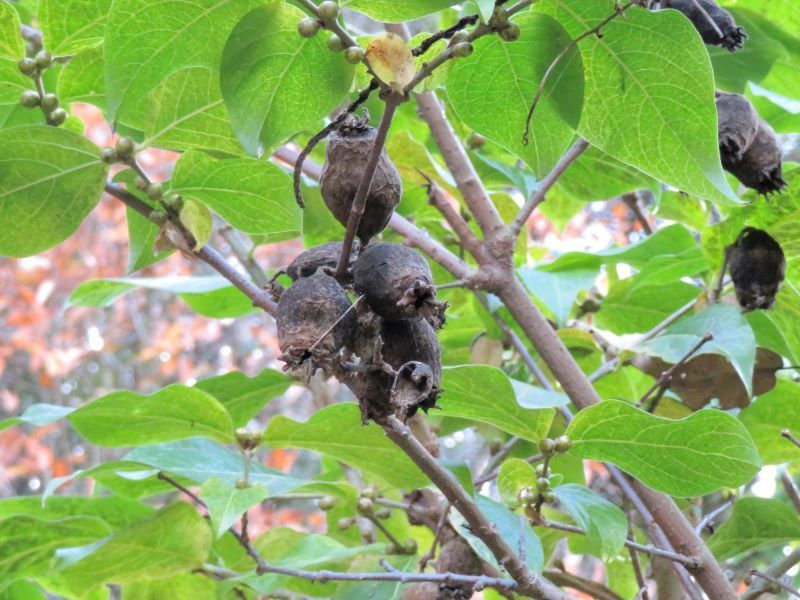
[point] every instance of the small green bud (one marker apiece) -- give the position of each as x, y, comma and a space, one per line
462, 49
308, 27
241, 484
44, 59
499, 17
383, 513
155, 191
108, 155
364, 506
326, 503
58, 116
345, 523
159, 217
335, 43
27, 66
549, 497
542, 484
354, 54
475, 141
510, 33
49, 102
328, 10
410, 546
393, 549
125, 146
247, 438
547, 446
563, 443
141, 183
540, 471
527, 495
30, 99
175, 202
370, 491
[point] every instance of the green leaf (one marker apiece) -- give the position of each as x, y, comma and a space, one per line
771, 413
630, 107
173, 413
185, 585
27, 544
557, 290
226, 502
210, 296
779, 11
38, 415
52, 179
485, 394
181, 459
244, 397
336, 431
268, 71
695, 456
733, 339
22, 590
531, 396
514, 475
497, 106
632, 307
174, 540
252, 195
12, 82
116, 512
147, 41
197, 220
83, 79
391, 11
755, 523
69, 26
605, 524
599, 176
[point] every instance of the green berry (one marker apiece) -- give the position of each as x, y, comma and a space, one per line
27, 66
527, 495
44, 59
328, 10
49, 102
542, 484
370, 491
410, 546
30, 99
547, 446
345, 523
510, 33
159, 217
499, 17
475, 141
335, 43
241, 484
326, 503
125, 146
540, 471
354, 54
175, 202
383, 513
462, 49
246, 438
308, 27
393, 549
58, 116
108, 155
155, 191
549, 497
364, 506
563, 443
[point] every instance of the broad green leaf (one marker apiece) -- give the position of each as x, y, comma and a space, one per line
631, 110
226, 502
82, 79
268, 71
69, 26
531, 396
12, 82
485, 394
336, 431
180, 458
244, 397
38, 415
497, 106
782, 12
514, 475
557, 290
771, 413
755, 523
695, 456
173, 413
252, 195
596, 175
782, 113
175, 540
733, 339
52, 178
210, 296
605, 524
28, 544
392, 11
185, 585
126, 479
632, 307
114, 511
22, 590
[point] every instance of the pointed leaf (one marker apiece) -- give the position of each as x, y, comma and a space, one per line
38, 415
770, 414
243, 396
755, 523
72, 25
226, 502
605, 524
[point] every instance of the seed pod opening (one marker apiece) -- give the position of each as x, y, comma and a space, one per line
738, 124
760, 166
397, 284
325, 256
732, 37
757, 266
345, 158
312, 324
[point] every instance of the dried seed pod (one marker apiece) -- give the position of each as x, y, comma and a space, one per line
345, 158
733, 36
760, 166
324, 256
457, 556
424, 590
397, 283
757, 266
738, 124
308, 332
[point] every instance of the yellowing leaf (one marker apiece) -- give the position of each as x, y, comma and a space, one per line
197, 219
390, 59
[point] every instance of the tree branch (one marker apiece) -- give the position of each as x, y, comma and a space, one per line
775, 581
790, 488
776, 570
460, 227
709, 518
788, 435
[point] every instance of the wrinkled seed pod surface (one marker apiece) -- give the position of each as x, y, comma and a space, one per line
760, 167
397, 283
733, 36
325, 255
738, 124
757, 266
345, 158
305, 312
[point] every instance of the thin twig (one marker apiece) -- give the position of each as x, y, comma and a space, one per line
776, 570
457, 223
790, 488
708, 520
631, 199
637, 567
437, 534
195, 498
788, 435
382, 528
775, 581
243, 255
717, 291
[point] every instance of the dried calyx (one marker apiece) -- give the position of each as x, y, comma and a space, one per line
346, 156
397, 284
714, 24
757, 266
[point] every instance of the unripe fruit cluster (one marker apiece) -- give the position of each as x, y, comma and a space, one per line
327, 13
33, 68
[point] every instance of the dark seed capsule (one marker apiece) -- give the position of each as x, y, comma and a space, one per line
757, 266
307, 312
732, 37
345, 158
322, 256
760, 167
397, 283
457, 556
738, 124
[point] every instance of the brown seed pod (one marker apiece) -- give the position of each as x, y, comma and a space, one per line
760, 166
757, 266
397, 284
308, 332
324, 256
345, 157
738, 124
733, 36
